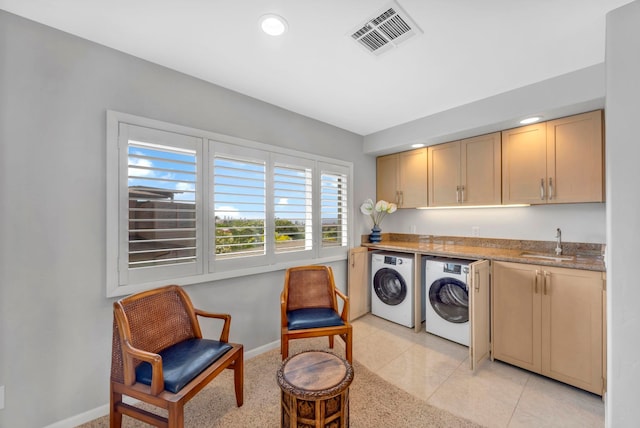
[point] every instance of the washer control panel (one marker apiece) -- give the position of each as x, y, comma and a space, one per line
390, 260
454, 268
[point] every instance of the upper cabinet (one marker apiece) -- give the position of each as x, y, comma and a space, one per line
465, 172
560, 161
402, 178
554, 162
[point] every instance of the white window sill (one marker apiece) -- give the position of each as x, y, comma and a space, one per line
125, 290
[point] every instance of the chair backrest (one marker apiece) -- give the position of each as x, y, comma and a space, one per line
310, 287
152, 320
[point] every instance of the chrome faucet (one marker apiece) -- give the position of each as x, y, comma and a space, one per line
558, 242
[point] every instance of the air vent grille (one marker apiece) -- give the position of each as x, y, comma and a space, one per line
388, 28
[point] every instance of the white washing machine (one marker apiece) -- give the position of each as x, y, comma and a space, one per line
392, 283
447, 292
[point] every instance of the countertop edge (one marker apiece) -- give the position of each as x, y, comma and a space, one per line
591, 263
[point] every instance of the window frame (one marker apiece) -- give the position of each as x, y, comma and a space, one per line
117, 276
129, 132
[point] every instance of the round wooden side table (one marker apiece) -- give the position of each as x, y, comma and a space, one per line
315, 390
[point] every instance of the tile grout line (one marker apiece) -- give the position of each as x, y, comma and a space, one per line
524, 386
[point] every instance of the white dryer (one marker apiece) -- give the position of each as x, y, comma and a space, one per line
447, 292
392, 283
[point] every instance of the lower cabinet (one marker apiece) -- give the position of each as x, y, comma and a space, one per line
550, 321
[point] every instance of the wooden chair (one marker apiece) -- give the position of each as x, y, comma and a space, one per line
309, 308
159, 356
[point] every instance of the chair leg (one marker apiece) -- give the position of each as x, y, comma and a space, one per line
284, 347
238, 378
115, 417
176, 415
331, 341
349, 347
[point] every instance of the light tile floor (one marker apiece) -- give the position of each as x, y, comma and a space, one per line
496, 395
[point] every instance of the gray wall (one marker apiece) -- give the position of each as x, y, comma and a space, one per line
55, 321
623, 220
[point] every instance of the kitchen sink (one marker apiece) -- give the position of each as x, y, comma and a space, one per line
553, 257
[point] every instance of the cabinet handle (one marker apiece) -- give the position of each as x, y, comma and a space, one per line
550, 188
542, 189
457, 194
477, 284
462, 193
535, 282
547, 280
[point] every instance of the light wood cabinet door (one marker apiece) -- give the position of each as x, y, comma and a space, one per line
480, 170
387, 178
575, 159
444, 174
559, 161
572, 327
524, 165
358, 288
466, 172
550, 320
413, 179
479, 308
516, 315
401, 178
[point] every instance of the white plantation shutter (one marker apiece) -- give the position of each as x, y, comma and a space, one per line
292, 204
239, 200
334, 206
162, 224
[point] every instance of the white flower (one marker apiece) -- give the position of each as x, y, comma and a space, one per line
382, 206
367, 207
378, 211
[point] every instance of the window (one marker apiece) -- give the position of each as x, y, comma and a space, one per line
191, 206
292, 208
293, 219
239, 228
239, 206
334, 206
162, 205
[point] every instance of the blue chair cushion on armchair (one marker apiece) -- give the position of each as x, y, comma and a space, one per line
184, 361
313, 318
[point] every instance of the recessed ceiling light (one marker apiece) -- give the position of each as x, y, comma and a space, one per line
417, 145
529, 120
273, 25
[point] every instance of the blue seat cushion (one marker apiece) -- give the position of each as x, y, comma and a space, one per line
184, 361
313, 318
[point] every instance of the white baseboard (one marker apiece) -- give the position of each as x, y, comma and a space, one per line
261, 350
103, 410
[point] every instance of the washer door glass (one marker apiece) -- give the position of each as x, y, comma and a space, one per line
389, 286
450, 299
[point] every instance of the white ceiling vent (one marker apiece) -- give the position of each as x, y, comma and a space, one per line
385, 30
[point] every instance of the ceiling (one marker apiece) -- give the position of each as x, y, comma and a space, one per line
467, 50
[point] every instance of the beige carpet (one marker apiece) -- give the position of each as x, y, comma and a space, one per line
374, 403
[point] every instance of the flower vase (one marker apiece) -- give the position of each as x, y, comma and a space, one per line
375, 235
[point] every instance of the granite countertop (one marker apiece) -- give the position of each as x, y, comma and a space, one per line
574, 255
